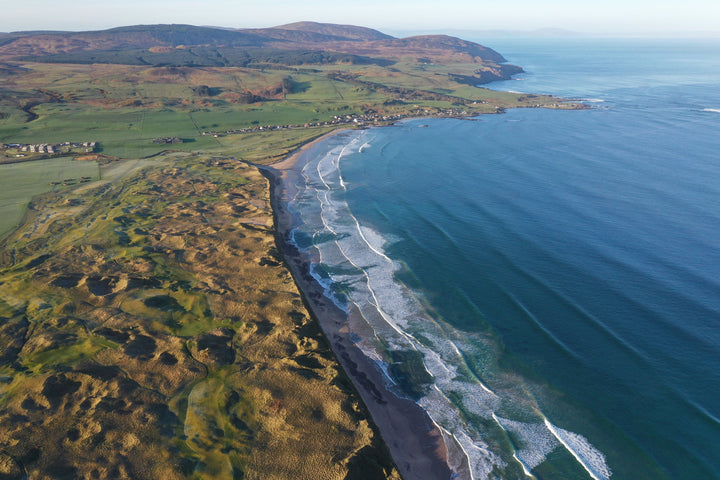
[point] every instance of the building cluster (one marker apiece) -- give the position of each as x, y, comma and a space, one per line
163, 140
51, 148
354, 119
345, 119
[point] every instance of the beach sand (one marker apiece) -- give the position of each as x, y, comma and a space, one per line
416, 444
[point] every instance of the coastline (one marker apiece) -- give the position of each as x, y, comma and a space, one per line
418, 447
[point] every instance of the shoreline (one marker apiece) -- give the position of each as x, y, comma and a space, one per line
418, 447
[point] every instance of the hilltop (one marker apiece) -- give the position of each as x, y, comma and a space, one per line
339, 32
292, 44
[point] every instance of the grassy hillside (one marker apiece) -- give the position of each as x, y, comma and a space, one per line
202, 57
20, 182
125, 108
330, 39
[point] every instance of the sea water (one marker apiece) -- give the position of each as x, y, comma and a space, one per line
557, 273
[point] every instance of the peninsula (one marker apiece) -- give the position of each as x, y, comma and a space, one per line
150, 325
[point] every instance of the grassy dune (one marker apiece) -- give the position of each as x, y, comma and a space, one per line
149, 330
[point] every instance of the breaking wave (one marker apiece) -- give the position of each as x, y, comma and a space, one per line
352, 264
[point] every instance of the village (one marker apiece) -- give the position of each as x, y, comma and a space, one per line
21, 152
24, 152
360, 120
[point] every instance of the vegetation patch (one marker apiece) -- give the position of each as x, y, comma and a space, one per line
163, 302
158, 345
20, 182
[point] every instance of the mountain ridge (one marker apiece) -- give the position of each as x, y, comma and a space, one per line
344, 31
348, 39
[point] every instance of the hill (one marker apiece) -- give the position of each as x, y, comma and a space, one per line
447, 43
138, 36
348, 32
188, 45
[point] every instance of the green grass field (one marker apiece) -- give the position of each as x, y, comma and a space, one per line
20, 182
124, 107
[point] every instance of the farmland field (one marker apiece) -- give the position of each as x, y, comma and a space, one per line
21, 181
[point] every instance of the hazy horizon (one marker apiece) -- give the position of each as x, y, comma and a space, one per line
467, 33
608, 18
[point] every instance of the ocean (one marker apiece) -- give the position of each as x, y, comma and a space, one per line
544, 283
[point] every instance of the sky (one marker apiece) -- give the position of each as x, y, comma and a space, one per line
603, 17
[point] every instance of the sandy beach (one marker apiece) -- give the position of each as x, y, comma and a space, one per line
416, 444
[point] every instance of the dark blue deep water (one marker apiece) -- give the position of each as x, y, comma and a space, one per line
558, 270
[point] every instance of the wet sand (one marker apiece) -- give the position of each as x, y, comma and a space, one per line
416, 444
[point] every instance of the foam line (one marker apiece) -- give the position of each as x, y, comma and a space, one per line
337, 166
367, 277
526, 469
447, 436
598, 470
462, 358
465, 452
351, 254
